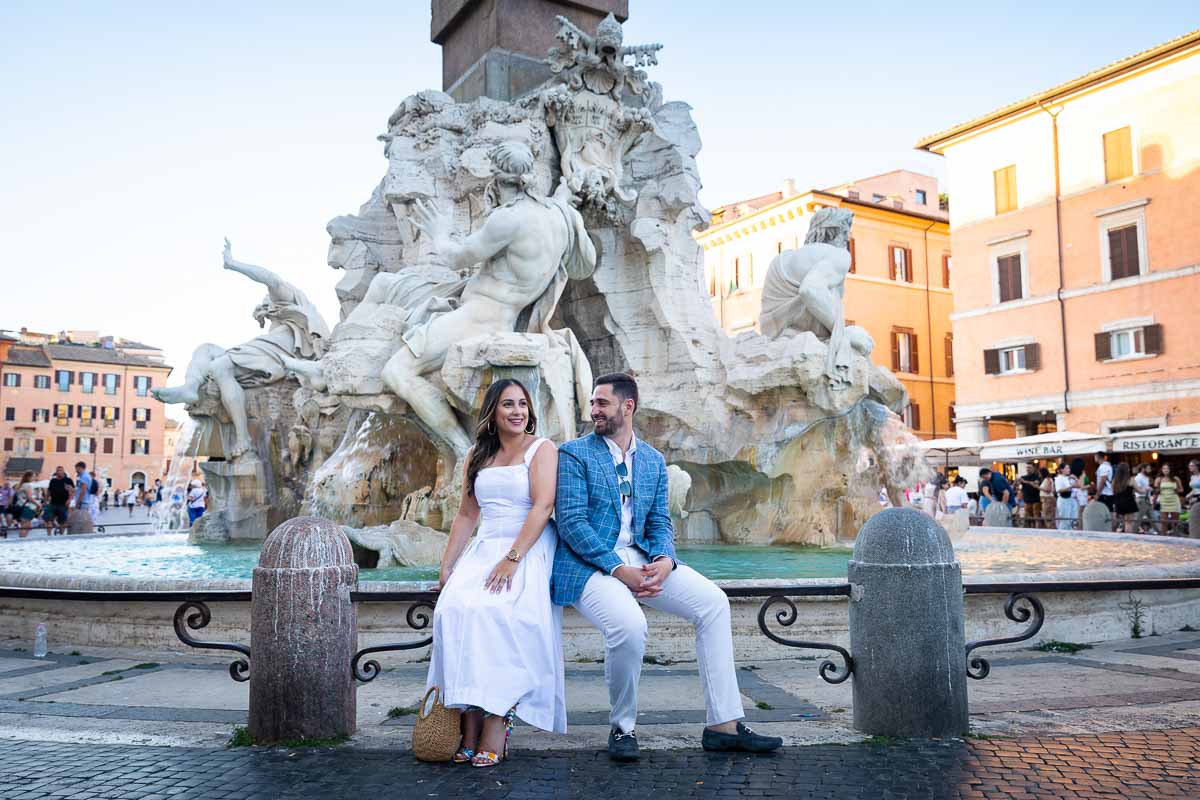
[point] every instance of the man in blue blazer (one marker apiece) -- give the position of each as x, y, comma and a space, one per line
616, 549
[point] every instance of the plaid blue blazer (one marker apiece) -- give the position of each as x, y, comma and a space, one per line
587, 510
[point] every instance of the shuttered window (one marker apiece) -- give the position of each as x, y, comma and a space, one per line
949, 355
945, 270
1123, 251
1129, 343
60, 444
905, 357
1008, 274
12, 380
1001, 361
108, 446
853, 260
1118, 155
900, 263
1005, 184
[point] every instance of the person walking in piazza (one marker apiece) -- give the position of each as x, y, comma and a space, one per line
616, 551
497, 638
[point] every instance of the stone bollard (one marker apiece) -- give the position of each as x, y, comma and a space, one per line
906, 628
303, 634
80, 521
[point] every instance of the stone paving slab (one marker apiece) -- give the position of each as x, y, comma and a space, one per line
162, 688
1137, 766
139, 695
45, 678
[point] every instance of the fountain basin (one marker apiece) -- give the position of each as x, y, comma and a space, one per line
987, 555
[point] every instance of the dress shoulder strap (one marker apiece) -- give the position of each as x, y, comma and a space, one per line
528, 458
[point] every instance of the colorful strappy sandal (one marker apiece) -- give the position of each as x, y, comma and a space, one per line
486, 758
463, 756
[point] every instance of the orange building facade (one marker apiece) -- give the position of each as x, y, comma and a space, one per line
1077, 253
64, 401
898, 289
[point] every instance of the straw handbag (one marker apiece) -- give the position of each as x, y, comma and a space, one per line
436, 734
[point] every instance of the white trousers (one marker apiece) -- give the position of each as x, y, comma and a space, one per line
610, 606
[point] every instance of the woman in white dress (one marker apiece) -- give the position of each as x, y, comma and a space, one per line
497, 638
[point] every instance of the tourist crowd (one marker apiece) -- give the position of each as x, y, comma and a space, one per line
1139, 499
27, 503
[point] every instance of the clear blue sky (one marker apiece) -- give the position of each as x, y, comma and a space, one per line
137, 134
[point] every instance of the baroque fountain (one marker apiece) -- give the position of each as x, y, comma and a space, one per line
548, 239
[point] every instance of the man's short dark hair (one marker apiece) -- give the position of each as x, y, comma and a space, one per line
984, 471
1103, 456
81, 465
623, 386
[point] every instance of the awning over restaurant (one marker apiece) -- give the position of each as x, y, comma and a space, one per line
1172, 437
1043, 445
18, 466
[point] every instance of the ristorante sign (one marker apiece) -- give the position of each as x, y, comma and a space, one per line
1190, 441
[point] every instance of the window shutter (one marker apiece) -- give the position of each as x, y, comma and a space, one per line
1152, 339
991, 362
93, 412
949, 355
39, 445
945, 270
908, 267
892, 263
77, 441
108, 446
70, 411
1123, 252
60, 444
118, 381
916, 416
1033, 356
1103, 346
895, 352
70, 377
34, 414
116, 413
93, 445
133, 447
853, 262
147, 415
913, 357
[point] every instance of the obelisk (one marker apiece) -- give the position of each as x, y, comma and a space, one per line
495, 48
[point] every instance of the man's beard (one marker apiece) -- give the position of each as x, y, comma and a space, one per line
608, 426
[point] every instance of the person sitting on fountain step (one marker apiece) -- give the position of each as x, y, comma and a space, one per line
297, 330
616, 550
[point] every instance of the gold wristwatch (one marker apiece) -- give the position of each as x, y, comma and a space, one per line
513, 556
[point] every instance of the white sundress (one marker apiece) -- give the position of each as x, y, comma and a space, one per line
495, 651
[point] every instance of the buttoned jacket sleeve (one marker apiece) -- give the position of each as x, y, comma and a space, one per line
571, 510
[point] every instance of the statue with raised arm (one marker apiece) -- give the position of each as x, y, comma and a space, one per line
804, 291
526, 250
297, 331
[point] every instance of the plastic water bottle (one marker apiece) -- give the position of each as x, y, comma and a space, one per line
39, 641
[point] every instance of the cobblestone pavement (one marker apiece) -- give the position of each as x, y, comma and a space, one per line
1156, 764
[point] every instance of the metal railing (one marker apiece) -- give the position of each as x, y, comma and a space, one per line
1022, 605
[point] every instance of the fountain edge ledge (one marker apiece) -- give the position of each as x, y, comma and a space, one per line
1188, 568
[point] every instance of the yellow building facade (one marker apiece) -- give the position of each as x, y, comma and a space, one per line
898, 290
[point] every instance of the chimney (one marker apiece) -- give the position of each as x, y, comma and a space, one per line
789, 188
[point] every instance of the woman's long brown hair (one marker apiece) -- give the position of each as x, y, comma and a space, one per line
487, 441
